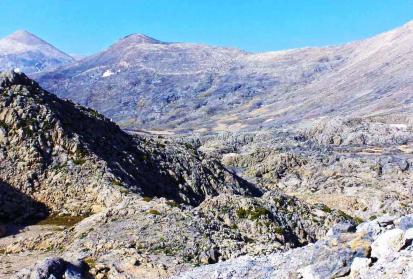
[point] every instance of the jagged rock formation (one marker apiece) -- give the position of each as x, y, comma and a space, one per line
378, 249
28, 53
75, 161
142, 83
363, 168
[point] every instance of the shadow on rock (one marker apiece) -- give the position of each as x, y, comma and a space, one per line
18, 210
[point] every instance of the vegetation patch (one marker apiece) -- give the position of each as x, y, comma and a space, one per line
252, 213
91, 263
65, 221
278, 230
147, 199
154, 212
172, 203
326, 209
118, 184
373, 217
4, 125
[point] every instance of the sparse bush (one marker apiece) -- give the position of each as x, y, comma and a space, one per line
252, 213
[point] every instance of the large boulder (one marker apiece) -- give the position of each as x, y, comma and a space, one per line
387, 243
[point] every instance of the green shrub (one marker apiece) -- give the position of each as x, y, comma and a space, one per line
79, 161
241, 213
116, 182
66, 221
358, 220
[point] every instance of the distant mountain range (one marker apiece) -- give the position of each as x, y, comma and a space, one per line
145, 84
30, 54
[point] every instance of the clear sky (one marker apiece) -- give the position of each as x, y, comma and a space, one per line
87, 26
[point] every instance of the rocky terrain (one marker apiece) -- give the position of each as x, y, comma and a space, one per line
75, 161
378, 249
30, 54
142, 83
76, 187
362, 167
136, 239
293, 164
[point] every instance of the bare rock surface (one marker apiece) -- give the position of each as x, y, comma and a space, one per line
366, 178
345, 255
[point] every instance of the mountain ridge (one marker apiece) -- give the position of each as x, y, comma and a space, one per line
196, 88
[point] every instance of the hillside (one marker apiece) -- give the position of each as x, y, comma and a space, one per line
75, 161
142, 83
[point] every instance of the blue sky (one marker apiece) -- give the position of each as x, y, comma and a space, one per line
87, 26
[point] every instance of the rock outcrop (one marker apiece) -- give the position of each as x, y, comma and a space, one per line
363, 178
76, 162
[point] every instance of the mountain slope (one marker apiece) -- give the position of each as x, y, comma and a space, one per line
142, 83
75, 161
29, 53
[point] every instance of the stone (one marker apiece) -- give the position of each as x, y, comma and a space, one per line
3, 135
409, 234
405, 222
340, 228
75, 270
387, 243
385, 221
50, 268
372, 229
359, 265
337, 140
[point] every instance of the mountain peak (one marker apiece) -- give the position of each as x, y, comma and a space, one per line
139, 39
22, 32
30, 53
25, 37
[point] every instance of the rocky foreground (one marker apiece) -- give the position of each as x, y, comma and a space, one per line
80, 198
378, 249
